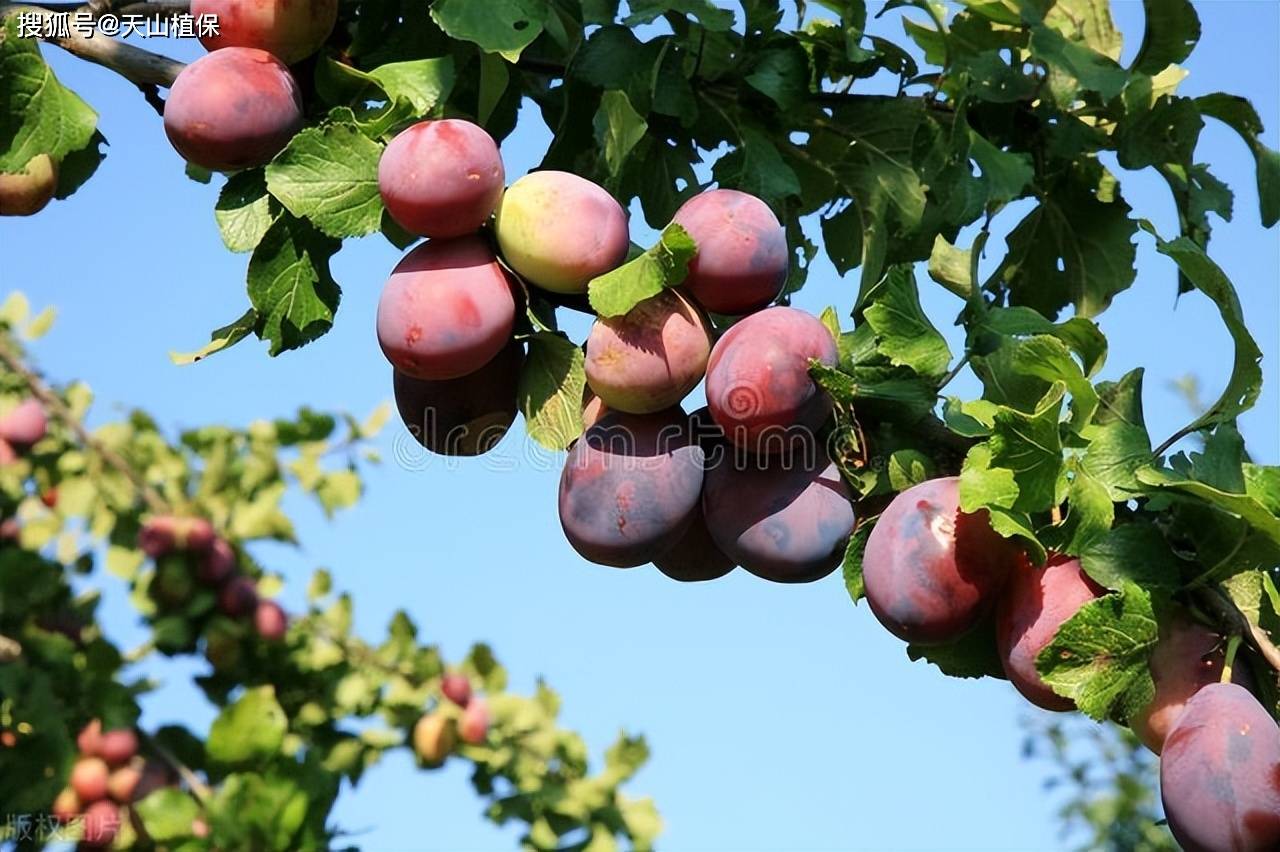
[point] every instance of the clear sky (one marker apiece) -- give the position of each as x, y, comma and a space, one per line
781, 718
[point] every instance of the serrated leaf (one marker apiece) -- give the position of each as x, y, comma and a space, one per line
973, 655
711, 17
851, 567
1030, 446
550, 392
290, 285
664, 265
245, 210
248, 731
424, 84
329, 175
497, 26
1118, 441
1134, 553
903, 332
1240, 115
1248, 508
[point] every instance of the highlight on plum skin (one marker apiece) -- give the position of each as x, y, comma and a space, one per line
931, 571
446, 310
741, 264
630, 487
1220, 773
1035, 604
651, 357
441, 178
233, 109
759, 389
466, 416
290, 30
559, 230
27, 192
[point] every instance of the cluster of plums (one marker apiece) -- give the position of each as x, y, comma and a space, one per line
188, 552
21, 427
108, 776
743, 483
933, 572
465, 717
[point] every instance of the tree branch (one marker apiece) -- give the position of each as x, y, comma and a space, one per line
1226, 610
136, 65
198, 788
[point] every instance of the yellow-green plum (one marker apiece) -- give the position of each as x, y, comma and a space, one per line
441, 178
28, 191
288, 29
447, 309
649, 358
742, 260
433, 738
233, 109
559, 231
466, 416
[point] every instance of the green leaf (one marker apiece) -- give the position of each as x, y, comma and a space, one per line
664, 265
973, 655
495, 76
497, 26
329, 175
167, 814
1005, 173
903, 332
1030, 446
755, 166
1092, 70
842, 238
781, 74
1090, 513
38, 115
78, 166
851, 567
1048, 358
910, 393
250, 730
245, 210
1099, 658
1238, 114
1167, 132
424, 84
951, 267
290, 285
1244, 506
618, 129
1118, 441
550, 391
711, 17
1172, 30
1134, 553
222, 338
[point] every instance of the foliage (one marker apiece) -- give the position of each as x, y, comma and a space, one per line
296, 717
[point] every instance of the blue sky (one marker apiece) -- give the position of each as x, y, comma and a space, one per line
781, 718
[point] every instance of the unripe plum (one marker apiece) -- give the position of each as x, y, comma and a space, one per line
233, 109
559, 230
288, 29
123, 783
173, 585
1036, 602
238, 598
89, 740
24, 425
742, 260
466, 416
650, 358
217, 564
118, 747
270, 621
27, 192
441, 178
630, 487
66, 806
473, 727
784, 518
931, 571
101, 823
163, 534
1187, 657
433, 738
89, 779
758, 384
694, 557
457, 688
447, 309
1220, 773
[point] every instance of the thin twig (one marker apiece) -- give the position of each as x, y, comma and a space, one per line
198, 788
1226, 611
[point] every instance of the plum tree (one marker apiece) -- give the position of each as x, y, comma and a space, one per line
433, 738
559, 230
457, 688
694, 557
932, 571
466, 416
786, 517
742, 261
89, 778
441, 178
23, 425
1220, 773
1187, 657
288, 29
1035, 603
758, 386
233, 109
649, 358
270, 621
446, 310
630, 486
27, 192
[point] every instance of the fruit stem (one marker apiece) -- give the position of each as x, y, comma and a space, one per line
1233, 647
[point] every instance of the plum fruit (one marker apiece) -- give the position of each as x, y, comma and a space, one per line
217, 564
559, 230
433, 738
441, 178
456, 688
118, 747
931, 571
447, 309
270, 621
163, 534
473, 727
89, 740
24, 425
742, 260
466, 416
123, 783
238, 598
758, 386
1220, 773
89, 778
651, 357
1187, 657
630, 487
593, 408
101, 823
694, 557
1036, 602
27, 192
66, 806
288, 29
233, 109
783, 518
